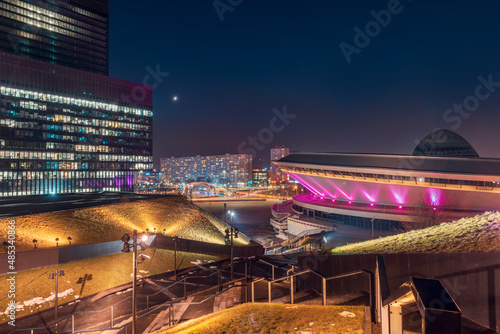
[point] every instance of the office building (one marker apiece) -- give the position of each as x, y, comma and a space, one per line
228, 169
72, 33
63, 129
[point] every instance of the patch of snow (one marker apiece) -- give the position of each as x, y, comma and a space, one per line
38, 301
347, 314
125, 291
143, 271
197, 262
311, 323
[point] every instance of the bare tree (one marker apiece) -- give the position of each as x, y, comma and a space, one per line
425, 215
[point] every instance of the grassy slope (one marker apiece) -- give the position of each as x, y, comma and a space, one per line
109, 222
476, 234
275, 318
107, 272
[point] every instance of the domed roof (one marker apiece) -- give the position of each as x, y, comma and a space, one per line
445, 143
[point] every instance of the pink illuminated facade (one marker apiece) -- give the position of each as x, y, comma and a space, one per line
443, 174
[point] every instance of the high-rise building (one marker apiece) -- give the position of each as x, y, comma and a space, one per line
228, 169
276, 175
260, 176
71, 33
63, 129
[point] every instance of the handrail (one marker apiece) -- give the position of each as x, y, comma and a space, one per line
184, 279
171, 302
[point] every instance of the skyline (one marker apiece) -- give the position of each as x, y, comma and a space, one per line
229, 75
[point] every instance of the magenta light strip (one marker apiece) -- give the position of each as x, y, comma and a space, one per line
340, 190
326, 191
305, 184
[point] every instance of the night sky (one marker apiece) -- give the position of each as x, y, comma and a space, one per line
229, 75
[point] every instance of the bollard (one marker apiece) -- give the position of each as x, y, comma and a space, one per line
324, 291
269, 292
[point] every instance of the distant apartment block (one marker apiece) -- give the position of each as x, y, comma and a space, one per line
228, 169
276, 174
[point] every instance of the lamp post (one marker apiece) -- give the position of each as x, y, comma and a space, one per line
57, 242
56, 277
126, 248
230, 233
69, 239
176, 240
373, 232
35, 242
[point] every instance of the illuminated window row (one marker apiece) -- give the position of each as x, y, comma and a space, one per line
61, 43
71, 129
70, 100
78, 34
34, 18
39, 10
99, 123
132, 124
129, 158
36, 155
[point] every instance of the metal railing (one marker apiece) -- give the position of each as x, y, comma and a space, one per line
243, 282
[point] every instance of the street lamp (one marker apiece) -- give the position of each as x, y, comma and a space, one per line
35, 242
57, 242
56, 277
230, 233
176, 241
69, 239
143, 237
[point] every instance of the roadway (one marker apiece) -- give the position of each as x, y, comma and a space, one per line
251, 218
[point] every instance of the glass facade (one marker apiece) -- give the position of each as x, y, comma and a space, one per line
362, 222
66, 130
69, 33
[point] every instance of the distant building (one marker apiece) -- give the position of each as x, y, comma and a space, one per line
147, 181
442, 180
228, 169
260, 176
276, 175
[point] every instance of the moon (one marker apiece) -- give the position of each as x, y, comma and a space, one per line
175, 98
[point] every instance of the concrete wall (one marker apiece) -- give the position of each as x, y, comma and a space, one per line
472, 279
